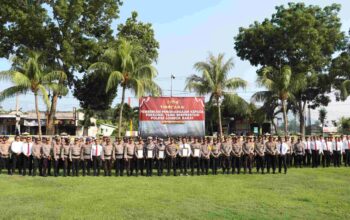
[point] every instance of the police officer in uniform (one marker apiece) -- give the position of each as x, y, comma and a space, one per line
299, 150
248, 151
205, 156
260, 155
75, 155
86, 156
129, 154
107, 156
215, 155
150, 154
226, 148
171, 152
37, 154
46, 155
236, 155
139, 156
56, 155
160, 156
4, 155
271, 150
65, 157
195, 156
118, 153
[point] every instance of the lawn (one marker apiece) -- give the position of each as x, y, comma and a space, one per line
301, 194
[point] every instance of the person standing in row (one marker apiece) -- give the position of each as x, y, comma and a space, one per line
118, 153
327, 152
215, 154
160, 156
205, 156
315, 151
282, 150
236, 155
27, 156
4, 155
184, 154
195, 156
65, 157
46, 155
248, 151
129, 154
36, 154
96, 155
337, 149
150, 154
346, 147
226, 149
75, 154
86, 157
260, 155
56, 155
107, 157
307, 155
299, 150
139, 157
171, 152
271, 150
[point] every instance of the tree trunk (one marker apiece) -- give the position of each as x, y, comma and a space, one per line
50, 127
219, 116
301, 109
285, 117
121, 112
37, 113
274, 126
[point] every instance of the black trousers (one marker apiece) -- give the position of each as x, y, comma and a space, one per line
226, 162
282, 161
171, 164
271, 163
45, 163
139, 166
96, 161
347, 157
307, 158
336, 158
36, 162
289, 159
247, 163
16, 161
86, 167
119, 167
129, 166
75, 167
160, 167
184, 162
205, 166
149, 166
236, 164
260, 163
5, 164
195, 164
56, 167
65, 166
107, 166
326, 158
299, 157
215, 165
27, 160
315, 158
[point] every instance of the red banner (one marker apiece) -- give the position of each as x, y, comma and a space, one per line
172, 109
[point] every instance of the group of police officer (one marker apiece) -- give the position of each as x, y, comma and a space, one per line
173, 155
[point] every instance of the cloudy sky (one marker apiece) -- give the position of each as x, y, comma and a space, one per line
187, 31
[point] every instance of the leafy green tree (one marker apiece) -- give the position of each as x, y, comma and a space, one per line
302, 37
215, 82
127, 70
322, 115
30, 76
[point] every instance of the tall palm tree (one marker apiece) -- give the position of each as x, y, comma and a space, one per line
126, 68
58, 87
215, 81
280, 83
29, 76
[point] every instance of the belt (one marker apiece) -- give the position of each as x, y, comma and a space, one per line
108, 155
76, 155
130, 155
118, 154
86, 154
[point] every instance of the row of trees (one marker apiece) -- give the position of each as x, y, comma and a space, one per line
59, 45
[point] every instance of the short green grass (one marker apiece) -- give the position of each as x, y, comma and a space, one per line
301, 194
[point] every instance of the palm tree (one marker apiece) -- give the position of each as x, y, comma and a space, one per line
29, 76
280, 83
57, 85
214, 81
126, 68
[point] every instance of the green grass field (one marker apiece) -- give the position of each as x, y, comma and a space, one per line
301, 194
